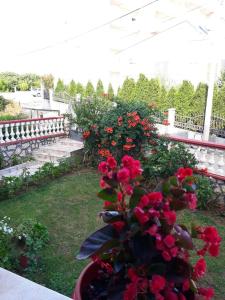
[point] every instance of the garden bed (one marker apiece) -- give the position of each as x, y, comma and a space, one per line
69, 209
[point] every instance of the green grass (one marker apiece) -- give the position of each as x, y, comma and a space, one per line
69, 208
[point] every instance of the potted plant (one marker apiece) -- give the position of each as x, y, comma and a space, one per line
142, 253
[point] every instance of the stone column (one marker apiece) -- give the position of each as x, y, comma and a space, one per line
171, 119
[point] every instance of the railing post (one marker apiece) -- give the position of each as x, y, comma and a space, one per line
1, 134
171, 119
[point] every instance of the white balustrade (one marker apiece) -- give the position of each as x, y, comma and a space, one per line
16, 131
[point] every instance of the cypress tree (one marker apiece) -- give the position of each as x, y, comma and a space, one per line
100, 89
184, 100
127, 91
110, 92
199, 98
89, 90
60, 86
142, 89
171, 97
72, 88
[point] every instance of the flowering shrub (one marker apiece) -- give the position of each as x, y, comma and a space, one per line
21, 245
142, 252
124, 129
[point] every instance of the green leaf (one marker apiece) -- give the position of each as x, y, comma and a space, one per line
166, 188
136, 196
173, 181
108, 195
157, 268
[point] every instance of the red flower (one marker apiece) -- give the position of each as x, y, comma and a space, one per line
191, 200
157, 284
118, 225
186, 285
123, 175
170, 217
127, 161
129, 190
214, 249
174, 251
127, 147
23, 261
86, 134
169, 241
113, 143
166, 256
155, 198
171, 296
141, 215
208, 293
210, 235
103, 167
111, 162
200, 268
165, 122
119, 196
109, 129
120, 121
182, 173
152, 230
129, 140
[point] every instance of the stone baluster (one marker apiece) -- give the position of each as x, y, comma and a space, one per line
22, 130
12, 133
53, 126
1, 134
49, 122
27, 130
7, 133
62, 125
57, 125
41, 128
37, 129
32, 129
18, 131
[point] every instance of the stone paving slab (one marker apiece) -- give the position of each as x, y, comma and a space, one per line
14, 287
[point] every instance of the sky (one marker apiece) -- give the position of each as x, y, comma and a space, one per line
27, 26
40, 36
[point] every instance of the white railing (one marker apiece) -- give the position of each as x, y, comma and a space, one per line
211, 156
22, 130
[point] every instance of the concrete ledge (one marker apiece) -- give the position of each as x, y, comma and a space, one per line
14, 287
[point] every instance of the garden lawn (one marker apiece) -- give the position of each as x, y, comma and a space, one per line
69, 208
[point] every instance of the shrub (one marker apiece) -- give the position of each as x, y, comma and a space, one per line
21, 245
204, 191
126, 128
141, 252
163, 159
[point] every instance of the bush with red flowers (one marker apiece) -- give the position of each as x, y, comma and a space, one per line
124, 129
142, 252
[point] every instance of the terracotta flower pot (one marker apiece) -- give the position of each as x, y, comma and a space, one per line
87, 275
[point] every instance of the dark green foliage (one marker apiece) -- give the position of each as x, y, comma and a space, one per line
164, 159
20, 246
110, 92
171, 97
90, 111
100, 89
154, 91
12, 185
204, 191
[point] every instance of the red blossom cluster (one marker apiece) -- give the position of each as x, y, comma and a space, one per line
86, 134
154, 217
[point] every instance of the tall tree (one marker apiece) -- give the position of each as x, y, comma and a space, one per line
48, 81
80, 89
171, 97
72, 89
184, 99
199, 98
60, 86
100, 89
163, 104
142, 89
110, 92
89, 90
154, 91
127, 91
